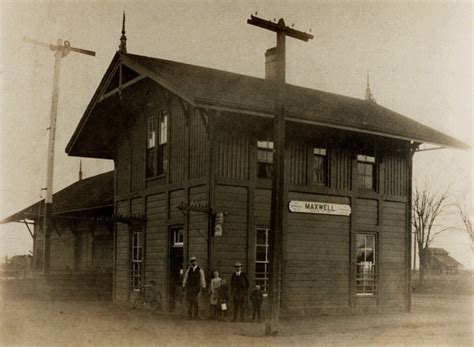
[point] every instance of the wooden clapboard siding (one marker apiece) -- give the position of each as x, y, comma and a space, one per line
318, 268
393, 249
177, 141
122, 283
366, 213
198, 228
232, 246
232, 155
156, 240
396, 174
297, 160
199, 146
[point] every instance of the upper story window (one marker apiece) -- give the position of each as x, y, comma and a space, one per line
162, 156
264, 159
366, 171
151, 147
157, 139
320, 166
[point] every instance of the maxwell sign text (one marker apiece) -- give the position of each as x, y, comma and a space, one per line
319, 208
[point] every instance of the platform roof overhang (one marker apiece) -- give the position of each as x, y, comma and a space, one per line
215, 89
93, 193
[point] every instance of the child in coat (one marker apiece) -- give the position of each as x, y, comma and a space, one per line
223, 299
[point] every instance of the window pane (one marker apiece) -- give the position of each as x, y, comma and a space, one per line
261, 236
261, 254
151, 132
164, 128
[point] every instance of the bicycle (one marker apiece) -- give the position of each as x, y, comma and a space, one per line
147, 297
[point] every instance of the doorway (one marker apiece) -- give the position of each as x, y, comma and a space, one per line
176, 269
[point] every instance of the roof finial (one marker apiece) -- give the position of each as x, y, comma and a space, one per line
368, 93
80, 170
123, 38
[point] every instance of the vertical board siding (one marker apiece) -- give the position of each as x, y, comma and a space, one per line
341, 159
297, 159
199, 148
138, 155
232, 245
396, 174
232, 155
262, 211
122, 170
177, 197
366, 213
62, 249
318, 267
198, 230
393, 249
156, 240
122, 256
177, 142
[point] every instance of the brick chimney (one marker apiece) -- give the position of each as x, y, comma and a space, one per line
270, 64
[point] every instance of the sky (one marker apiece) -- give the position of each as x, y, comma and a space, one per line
418, 54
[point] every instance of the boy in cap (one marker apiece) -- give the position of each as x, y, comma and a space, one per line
194, 280
239, 285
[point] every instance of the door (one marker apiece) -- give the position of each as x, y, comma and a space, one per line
176, 269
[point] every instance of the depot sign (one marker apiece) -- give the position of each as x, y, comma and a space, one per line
319, 208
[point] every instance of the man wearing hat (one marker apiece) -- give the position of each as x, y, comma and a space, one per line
193, 282
239, 285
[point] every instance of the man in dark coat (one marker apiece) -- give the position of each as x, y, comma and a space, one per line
194, 280
239, 285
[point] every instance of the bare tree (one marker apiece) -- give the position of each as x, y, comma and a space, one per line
427, 207
466, 219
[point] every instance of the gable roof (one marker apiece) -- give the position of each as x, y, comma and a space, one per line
223, 90
90, 193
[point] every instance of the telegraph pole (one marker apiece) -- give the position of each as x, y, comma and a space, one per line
60, 51
279, 181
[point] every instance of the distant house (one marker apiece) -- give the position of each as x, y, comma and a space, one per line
82, 237
440, 262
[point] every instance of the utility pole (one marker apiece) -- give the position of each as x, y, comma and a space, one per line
60, 51
279, 181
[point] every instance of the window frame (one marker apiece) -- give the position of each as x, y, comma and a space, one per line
156, 157
366, 281
151, 152
137, 258
323, 154
265, 150
367, 160
162, 145
263, 281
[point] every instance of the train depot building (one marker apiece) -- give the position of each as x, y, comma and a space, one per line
193, 148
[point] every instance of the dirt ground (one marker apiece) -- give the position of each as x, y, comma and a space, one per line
436, 320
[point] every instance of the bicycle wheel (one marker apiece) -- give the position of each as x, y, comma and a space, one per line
139, 301
154, 304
